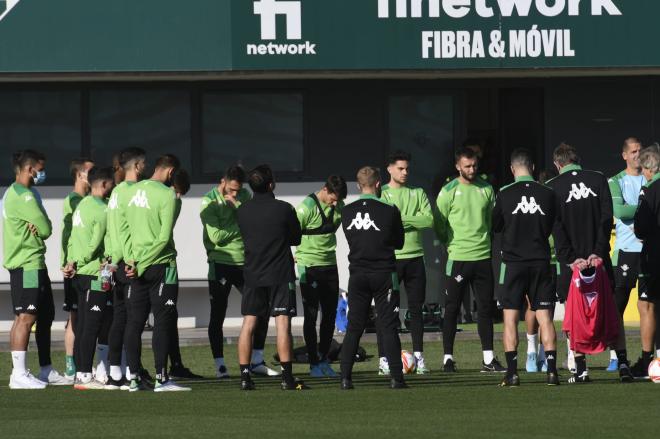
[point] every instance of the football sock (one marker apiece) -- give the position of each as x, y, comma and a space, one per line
245, 372
287, 372
551, 356
102, 356
622, 356
115, 373
448, 357
532, 339
511, 363
45, 370
220, 361
489, 356
418, 355
18, 361
613, 355
580, 364
70, 368
647, 357
257, 356
542, 353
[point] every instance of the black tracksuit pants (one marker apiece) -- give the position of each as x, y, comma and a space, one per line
362, 288
319, 287
221, 280
460, 276
94, 316
119, 317
156, 291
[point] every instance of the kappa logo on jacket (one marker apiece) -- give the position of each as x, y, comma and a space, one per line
113, 203
140, 200
528, 207
77, 219
361, 223
578, 193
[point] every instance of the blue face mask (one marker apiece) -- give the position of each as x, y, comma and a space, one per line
40, 178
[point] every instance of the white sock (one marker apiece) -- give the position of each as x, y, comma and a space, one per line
489, 356
220, 361
657, 353
447, 357
532, 340
18, 361
613, 355
102, 356
86, 377
418, 355
79, 375
45, 371
115, 373
257, 356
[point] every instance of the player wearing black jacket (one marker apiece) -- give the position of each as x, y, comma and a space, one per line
647, 228
373, 230
524, 213
582, 234
269, 228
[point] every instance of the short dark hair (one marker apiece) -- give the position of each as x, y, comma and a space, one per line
398, 155
235, 173
20, 159
336, 184
368, 176
77, 165
465, 152
630, 141
260, 179
522, 157
129, 155
168, 161
181, 181
565, 154
97, 174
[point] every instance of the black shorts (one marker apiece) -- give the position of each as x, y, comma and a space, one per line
278, 300
31, 293
651, 277
627, 276
70, 297
531, 280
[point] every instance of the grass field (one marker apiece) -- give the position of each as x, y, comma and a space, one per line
467, 404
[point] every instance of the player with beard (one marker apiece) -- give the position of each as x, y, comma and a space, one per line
463, 226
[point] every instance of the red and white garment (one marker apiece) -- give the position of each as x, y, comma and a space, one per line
591, 318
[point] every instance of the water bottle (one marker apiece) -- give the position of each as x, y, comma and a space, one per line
106, 278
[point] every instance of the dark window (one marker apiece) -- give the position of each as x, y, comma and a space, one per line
156, 120
47, 121
251, 129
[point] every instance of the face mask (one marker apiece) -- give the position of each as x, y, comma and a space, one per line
40, 178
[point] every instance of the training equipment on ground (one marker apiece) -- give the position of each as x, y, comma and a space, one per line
408, 361
654, 371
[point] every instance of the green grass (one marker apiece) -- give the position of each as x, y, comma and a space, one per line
467, 404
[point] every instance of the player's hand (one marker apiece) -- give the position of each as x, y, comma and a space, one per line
230, 200
69, 270
595, 261
580, 264
33, 229
131, 271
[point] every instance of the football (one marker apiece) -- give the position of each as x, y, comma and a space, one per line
409, 362
654, 371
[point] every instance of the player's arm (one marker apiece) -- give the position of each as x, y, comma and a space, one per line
621, 210
606, 222
67, 225
645, 221
563, 247
423, 218
442, 214
32, 213
398, 235
210, 217
90, 250
488, 217
295, 232
497, 216
304, 216
166, 214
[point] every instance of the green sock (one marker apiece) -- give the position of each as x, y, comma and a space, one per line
70, 366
